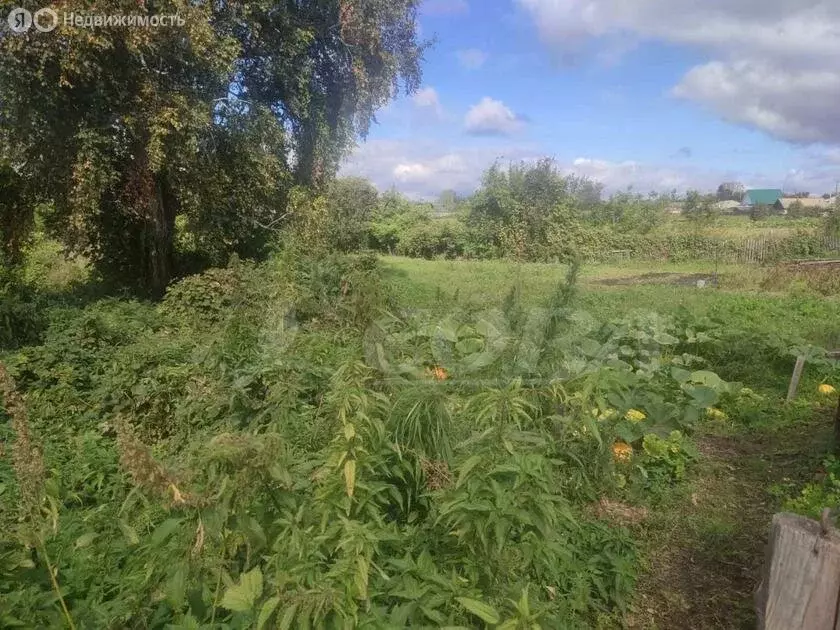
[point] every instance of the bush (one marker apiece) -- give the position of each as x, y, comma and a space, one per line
21, 316
437, 238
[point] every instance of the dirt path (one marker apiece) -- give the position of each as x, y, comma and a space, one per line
704, 547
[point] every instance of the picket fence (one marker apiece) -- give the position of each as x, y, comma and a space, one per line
763, 249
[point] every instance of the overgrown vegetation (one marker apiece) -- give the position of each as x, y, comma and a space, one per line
287, 444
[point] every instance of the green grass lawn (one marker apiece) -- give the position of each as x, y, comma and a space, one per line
739, 298
741, 226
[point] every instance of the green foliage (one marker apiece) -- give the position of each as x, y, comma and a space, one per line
514, 209
210, 122
254, 482
665, 460
21, 319
394, 216
628, 212
760, 211
16, 215
821, 279
831, 223
444, 237
282, 445
534, 212
818, 495
352, 201
700, 209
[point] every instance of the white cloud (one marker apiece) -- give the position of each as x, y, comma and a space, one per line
492, 118
447, 165
426, 97
798, 106
423, 169
642, 178
427, 100
772, 64
471, 58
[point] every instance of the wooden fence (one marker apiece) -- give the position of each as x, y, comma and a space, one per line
764, 249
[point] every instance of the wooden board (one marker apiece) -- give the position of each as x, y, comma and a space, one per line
795, 378
801, 584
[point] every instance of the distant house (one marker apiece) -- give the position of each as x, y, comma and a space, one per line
727, 207
817, 204
762, 197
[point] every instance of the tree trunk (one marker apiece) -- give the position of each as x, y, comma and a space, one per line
160, 237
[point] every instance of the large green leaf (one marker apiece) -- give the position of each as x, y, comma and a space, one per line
164, 531
680, 375
288, 617
483, 611
242, 596
266, 611
176, 587
469, 345
448, 329
709, 379
702, 395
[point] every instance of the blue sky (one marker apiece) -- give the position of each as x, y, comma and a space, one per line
654, 94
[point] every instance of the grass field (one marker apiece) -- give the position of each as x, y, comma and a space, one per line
741, 226
739, 299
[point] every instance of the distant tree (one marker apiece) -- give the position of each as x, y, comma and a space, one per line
800, 195
831, 223
631, 212
586, 191
392, 218
447, 202
730, 191
351, 202
514, 206
700, 210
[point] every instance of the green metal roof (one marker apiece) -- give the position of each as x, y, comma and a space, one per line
763, 196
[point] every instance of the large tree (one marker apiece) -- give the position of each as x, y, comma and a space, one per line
731, 191
124, 129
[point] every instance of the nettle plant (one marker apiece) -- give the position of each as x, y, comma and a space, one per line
383, 528
442, 482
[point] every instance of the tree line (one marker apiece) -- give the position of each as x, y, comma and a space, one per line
527, 210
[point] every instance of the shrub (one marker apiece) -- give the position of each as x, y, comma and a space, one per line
22, 319
824, 280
